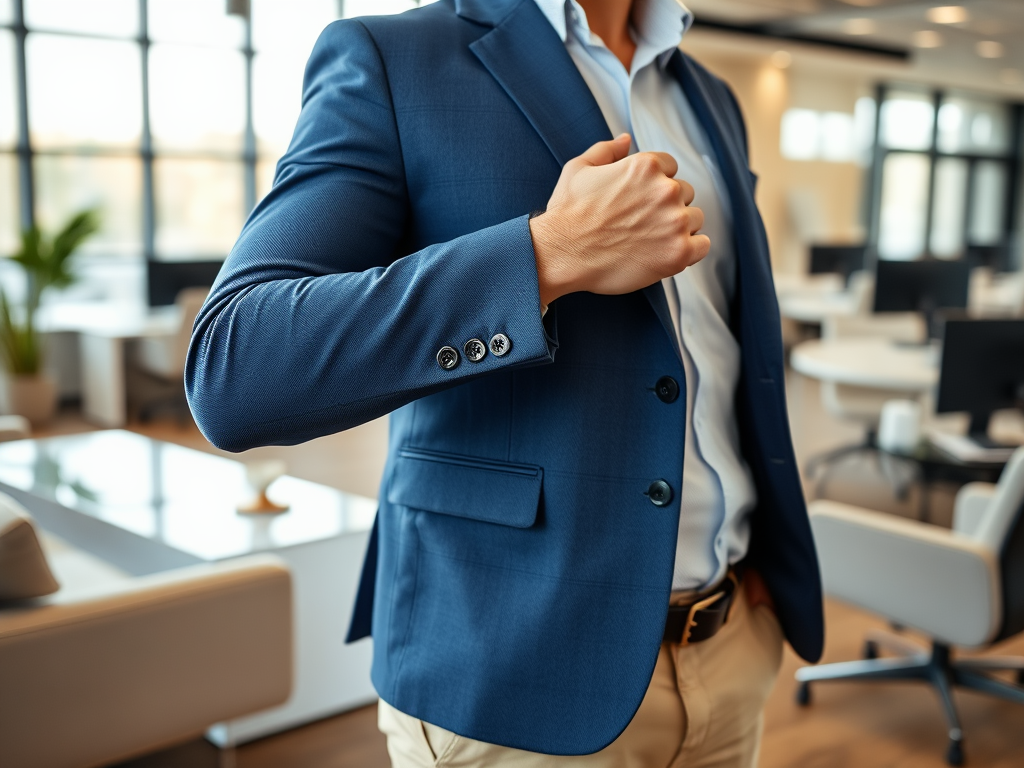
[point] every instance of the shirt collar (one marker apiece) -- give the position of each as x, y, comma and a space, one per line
659, 24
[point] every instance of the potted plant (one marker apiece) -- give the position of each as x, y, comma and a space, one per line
27, 390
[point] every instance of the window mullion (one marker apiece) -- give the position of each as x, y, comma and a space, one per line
26, 186
146, 145
249, 148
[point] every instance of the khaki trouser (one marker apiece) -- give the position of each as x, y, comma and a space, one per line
703, 709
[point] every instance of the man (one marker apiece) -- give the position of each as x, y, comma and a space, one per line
588, 422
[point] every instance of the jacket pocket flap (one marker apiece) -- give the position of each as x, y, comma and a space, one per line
477, 489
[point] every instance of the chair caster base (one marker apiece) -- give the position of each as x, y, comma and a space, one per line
955, 752
803, 695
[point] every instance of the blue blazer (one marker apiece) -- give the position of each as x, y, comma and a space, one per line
518, 576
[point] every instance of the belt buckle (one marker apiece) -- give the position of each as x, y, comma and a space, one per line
698, 606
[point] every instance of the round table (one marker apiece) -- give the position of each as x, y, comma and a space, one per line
873, 363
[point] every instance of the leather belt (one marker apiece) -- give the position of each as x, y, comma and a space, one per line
701, 618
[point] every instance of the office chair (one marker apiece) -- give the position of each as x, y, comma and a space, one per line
162, 358
862, 405
961, 587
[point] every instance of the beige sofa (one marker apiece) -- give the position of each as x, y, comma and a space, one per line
113, 666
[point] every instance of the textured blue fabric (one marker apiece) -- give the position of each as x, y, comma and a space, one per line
518, 577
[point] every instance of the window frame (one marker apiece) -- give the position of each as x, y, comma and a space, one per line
250, 157
1011, 161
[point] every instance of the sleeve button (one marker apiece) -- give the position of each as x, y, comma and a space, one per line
447, 358
475, 350
500, 344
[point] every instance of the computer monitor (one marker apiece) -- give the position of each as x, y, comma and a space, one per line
982, 369
838, 259
995, 257
166, 279
921, 286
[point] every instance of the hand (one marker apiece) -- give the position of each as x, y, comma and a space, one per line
615, 224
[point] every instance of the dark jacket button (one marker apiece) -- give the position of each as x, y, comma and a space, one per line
667, 389
660, 493
447, 358
475, 350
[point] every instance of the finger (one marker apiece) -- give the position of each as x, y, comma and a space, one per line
699, 247
686, 192
606, 152
695, 220
665, 162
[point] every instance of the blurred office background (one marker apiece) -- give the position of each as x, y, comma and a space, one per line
882, 132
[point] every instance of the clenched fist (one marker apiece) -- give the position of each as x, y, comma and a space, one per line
615, 224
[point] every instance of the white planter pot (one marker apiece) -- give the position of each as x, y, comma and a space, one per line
31, 396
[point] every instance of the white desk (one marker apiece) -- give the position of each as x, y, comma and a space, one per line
873, 363
816, 308
103, 328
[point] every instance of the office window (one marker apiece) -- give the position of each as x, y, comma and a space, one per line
973, 126
96, 102
199, 206
988, 203
376, 7
949, 207
197, 98
905, 180
174, 174
944, 176
809, 135
8, 203
8, 102
195, 22
115, 18
65, 184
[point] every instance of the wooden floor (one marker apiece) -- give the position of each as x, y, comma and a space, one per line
848, 725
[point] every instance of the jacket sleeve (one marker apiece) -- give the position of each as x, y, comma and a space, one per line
314, 325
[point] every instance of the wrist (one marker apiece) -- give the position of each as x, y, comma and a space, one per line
550, 248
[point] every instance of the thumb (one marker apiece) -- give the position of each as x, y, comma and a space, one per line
606, 152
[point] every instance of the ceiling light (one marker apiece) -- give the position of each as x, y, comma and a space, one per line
860, 26
927, 38
782, 59
989, 49
863, 3
947, 14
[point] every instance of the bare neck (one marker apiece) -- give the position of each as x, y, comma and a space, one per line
609, 19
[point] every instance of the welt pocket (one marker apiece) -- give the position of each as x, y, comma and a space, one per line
486, 490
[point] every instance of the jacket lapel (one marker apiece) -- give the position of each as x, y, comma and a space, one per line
525, 55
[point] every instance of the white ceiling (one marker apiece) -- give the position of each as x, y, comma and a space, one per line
897, 24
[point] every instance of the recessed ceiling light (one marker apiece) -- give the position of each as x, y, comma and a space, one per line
863, 3
782, 59
927, 38
860, 26
947, 14
989, 49
1011, 76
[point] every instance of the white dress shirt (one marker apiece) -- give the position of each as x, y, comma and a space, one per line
648, 103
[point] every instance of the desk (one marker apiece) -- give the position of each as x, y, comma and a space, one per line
816, 309
872, 363
147, 506
103, 328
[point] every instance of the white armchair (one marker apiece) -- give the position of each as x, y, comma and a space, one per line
960, 587
113, 666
